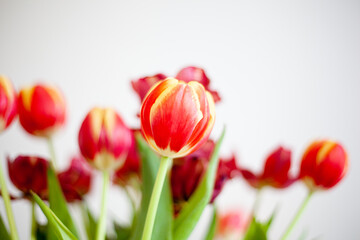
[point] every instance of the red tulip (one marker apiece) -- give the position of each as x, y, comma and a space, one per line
8, 103
177, 117
231, 225
131, 165
29, 173
323, 165
104, 139
76, 180
143, 85
275, 173
189, 74
41, 110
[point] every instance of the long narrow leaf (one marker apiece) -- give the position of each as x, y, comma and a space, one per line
211, 231
191, 212
60, 230
164, 216
4, 234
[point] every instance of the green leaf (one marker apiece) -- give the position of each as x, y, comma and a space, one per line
58, 204
122, 232
89, 222
211, 231
60, 230
164, 216
191, 212
41, 231
258, 230
4, 234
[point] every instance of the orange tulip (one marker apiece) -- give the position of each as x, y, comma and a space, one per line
177, 117
323, 165
104, 139
8, 105
41, 109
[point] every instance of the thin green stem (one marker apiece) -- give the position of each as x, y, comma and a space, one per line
33, 221
155, 197
297, 216
52, 151
256, 203
9, 212
101, 226
133, 205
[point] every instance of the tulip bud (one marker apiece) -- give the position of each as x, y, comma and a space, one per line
41, 110
104, 139
76, 180
323, 165
177, 117
143, 85
131, 165
275, 172
29, 173
189, 74
8, 103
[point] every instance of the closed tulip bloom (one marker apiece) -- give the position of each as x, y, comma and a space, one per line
275, 172
29, 173
323, 165
177, 117
197, 74
104, 139
143, 85
8, 103
76, 180
42, 109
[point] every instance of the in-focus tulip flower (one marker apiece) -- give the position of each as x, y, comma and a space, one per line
275, 172
143, 85
8, 103
197, 74
76, 180
41, 109
29, 173
323, 165
131, 166
187, 173
104, 139
177, 117
231, 225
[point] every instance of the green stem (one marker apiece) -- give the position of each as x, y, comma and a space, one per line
33, 221
155, 197
9, 212
101, 226
52, 151
297, 216
256, 203
133, 205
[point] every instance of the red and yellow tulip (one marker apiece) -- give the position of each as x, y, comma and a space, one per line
8, 103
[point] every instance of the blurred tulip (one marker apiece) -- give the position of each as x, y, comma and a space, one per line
143, 85
41, 109
231, 225
323, 165
104, 139
177, 117
8, 103
187, 173
29, 173
131, 165
76, 180
275, 173
197, 74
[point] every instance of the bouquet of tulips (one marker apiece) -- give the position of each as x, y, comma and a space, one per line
168, 166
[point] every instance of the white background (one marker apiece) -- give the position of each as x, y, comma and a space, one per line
288, 73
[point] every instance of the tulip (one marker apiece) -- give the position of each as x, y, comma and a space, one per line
29, 173
275, 172
231, 225
41, 109
76, 180
131, 167
323, 165
8, 103
192, 73
143, 85
104, 139
177, 117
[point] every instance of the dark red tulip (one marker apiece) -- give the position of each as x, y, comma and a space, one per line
76, 180
29, 173
275, 172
